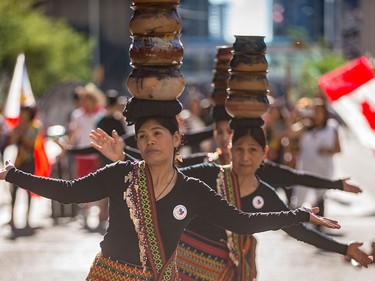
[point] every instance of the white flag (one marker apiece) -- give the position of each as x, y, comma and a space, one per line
20, 92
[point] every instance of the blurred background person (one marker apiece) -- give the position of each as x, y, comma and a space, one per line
112, 120
318, 143
23, 136
91, 109
194, 118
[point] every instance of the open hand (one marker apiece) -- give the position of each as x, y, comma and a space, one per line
4, 171
350, 187
111, 147
358, 255
316, 219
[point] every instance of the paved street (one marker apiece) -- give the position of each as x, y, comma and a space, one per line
65, 251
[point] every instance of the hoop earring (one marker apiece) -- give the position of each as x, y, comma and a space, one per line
178, 155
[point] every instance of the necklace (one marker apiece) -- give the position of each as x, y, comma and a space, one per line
174, 171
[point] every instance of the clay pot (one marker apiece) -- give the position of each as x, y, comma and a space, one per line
248, 62
247, 107
220, 79
151, 19
244, 93
135, 2
249, 44
156, 83
219, 96
249, 81
224, 52
158, 50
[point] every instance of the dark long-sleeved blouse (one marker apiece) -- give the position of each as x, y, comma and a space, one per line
279, 175
264, 199
121, 240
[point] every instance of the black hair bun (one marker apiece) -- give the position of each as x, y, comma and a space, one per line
140, 109
246, 123
219, 113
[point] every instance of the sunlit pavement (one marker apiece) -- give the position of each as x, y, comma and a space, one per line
65, 251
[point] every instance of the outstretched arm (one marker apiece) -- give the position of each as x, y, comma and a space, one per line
218, 211
90, 188
282, 176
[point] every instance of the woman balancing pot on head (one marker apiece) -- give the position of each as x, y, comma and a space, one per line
204, 246
208, 252
151, 202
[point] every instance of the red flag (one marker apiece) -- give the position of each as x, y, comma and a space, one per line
21, 94
42, 163
351, 90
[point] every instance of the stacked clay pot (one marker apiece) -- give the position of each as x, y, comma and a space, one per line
156, 50
221, 75
247, 83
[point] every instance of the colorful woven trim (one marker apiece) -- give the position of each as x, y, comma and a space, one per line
140, 199
202, 259
131, 196
248, 269
241, 248
226, 188
104, 269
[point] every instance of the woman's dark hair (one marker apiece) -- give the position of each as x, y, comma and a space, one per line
137, 110
169, 123
249, 127
219, 113
320, 103
31, 110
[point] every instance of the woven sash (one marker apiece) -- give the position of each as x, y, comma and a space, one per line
241, 248
104, 269
140, 199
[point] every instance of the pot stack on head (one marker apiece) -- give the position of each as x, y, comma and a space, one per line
219, 82
247, 83
156, 51
221, 75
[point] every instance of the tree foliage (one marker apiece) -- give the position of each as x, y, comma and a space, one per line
54, 52
318, 64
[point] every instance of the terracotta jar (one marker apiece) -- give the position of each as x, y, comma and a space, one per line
247, 107
155, 18
156, 50
248, 62
224, 52
220, 79
156, 83
250, 81
245, 93
219, 96
153, 1
249, 44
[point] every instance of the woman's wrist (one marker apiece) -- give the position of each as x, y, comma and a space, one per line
122, 157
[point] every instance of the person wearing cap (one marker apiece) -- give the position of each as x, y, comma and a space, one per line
151, 201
